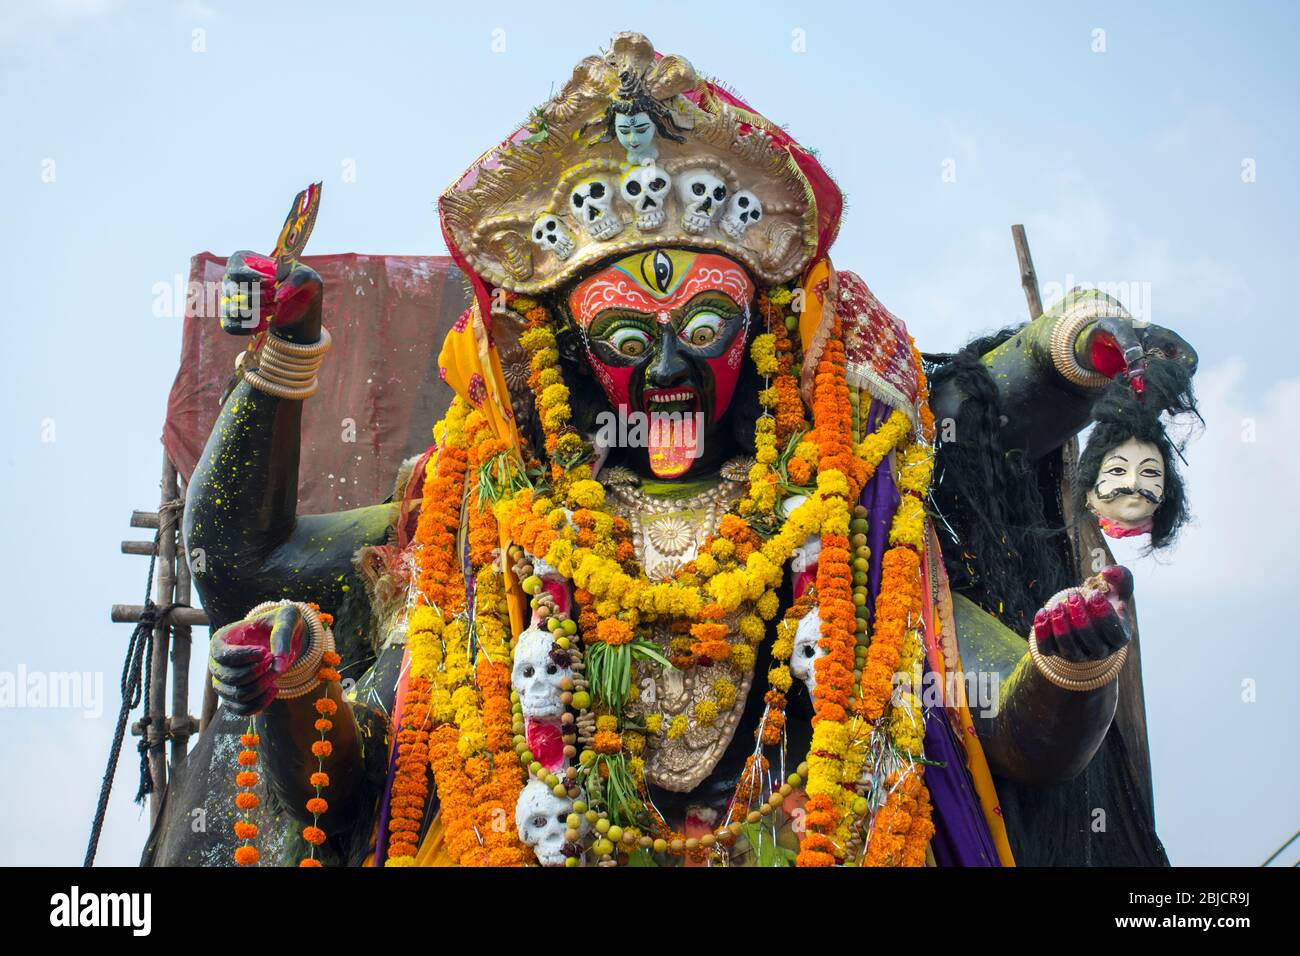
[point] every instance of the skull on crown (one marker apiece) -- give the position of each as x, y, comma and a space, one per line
702, 195
645, 188
551, 235
593, 204
742, 211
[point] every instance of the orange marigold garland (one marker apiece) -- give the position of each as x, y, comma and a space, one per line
855, 691
321, 749
246, 800
458, 720
439, 589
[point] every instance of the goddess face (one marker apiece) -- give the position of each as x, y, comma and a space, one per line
665, 331
1130, 485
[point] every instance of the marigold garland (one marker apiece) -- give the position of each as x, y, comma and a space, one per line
326, 708
435, 594
246, 800
568, 525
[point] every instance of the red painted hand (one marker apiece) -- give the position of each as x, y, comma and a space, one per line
246, 657
1091, 625
257, 293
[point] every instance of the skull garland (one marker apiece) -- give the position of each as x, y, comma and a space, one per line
593, 204
645, 189
702, 195
807, 651
539, 669
551, 235
742, 211
804, 557
541, 819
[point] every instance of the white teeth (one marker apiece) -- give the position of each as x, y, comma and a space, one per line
674, 397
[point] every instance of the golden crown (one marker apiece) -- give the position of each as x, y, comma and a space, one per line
636, 151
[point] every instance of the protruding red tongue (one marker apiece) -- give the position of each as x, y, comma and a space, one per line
546, 742
674, 444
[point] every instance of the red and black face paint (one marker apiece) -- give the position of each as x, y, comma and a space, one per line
665, 332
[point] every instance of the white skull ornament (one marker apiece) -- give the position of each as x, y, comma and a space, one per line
702, 195
742, 211
551, 235
807, 651
540, 818
804, 556
645, 188
593, 204
536, 677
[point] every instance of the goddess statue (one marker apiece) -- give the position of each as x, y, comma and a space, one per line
707, 563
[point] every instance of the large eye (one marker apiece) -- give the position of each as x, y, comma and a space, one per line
528, 670
633, 343
702, 329
1151, 473
552, 669
809, 650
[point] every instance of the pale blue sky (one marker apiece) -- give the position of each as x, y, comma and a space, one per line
1125, 166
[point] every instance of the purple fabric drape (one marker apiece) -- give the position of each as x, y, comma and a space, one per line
880, 497
961, 836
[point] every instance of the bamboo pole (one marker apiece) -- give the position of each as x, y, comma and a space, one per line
144, 519
130, 614
1028, 277
209, 702
164, 594
181, 644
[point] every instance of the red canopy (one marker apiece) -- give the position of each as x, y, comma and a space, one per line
380, 392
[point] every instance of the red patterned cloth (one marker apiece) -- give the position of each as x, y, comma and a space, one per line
380, 394
876, 343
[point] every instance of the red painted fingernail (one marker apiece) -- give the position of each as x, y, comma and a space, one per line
263, 264
1098, 606
1078, 611
1059, 623
1118, 578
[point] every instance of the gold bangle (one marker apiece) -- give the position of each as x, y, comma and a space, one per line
1089, 675
298, 349
279, 391
1065, 330
283, 373
287, 369
302, 678
290, 360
